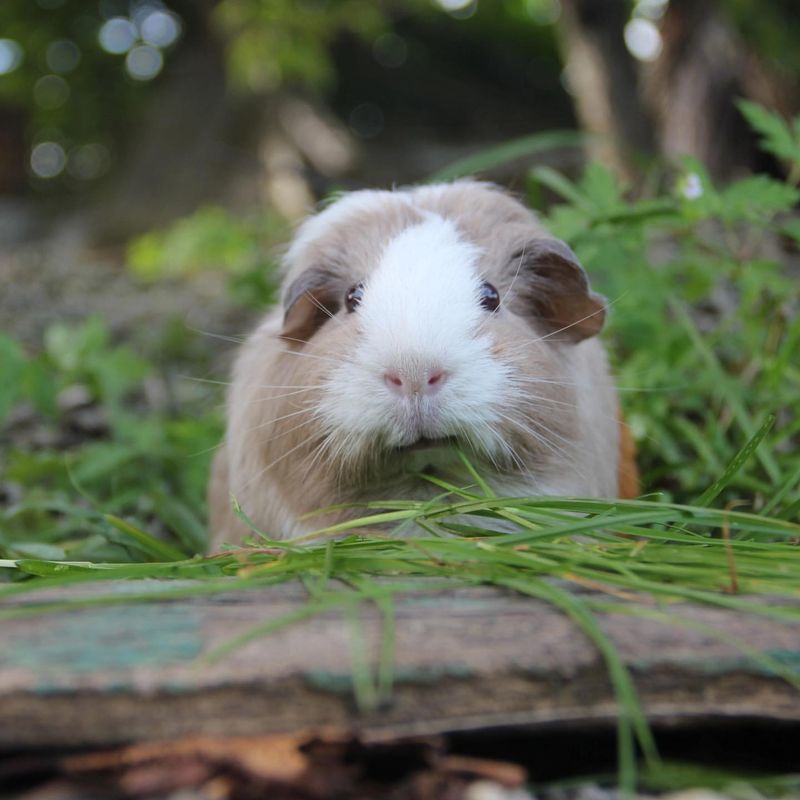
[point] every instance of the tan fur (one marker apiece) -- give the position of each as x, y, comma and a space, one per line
274, 460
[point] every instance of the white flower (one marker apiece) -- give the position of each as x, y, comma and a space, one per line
691, 186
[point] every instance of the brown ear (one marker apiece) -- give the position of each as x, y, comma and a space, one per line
557, 289
309, 302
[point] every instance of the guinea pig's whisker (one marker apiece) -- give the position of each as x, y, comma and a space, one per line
510, 452
550, 381
554, 401
234, 339
537, 435
205, 380
516, 275
315, 457
206, 450
567, 453
284, 433
551, 400
600, 310
301, 386
485, 320
265, 397
322, 308
272, 463
276, 419
313, 355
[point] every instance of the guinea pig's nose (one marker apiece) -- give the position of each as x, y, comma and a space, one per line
427, 382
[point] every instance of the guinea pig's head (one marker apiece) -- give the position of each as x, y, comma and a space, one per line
430, 318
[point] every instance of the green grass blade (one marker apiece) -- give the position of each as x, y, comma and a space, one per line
155, 548
738, 461
631, 719
525, 146
777, 498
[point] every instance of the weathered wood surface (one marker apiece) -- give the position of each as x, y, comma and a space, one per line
464, 658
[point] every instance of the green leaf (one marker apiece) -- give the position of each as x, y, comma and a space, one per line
40, 387
12, 367
756, 199
523, 147
792, 228
776, 135
562, 186
599, 186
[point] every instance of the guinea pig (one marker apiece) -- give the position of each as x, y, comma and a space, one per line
415, 323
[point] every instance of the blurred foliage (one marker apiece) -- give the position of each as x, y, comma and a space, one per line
90, 101
214, 239
778, 137
89, 105
275, 41
84, 99
144, 459
705, 319
272, 42
772, 29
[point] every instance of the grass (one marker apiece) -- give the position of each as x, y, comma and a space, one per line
705, 330
658, 554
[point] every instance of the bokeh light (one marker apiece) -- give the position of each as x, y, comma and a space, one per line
390, 50
652, 9
87, 162
544, 12
117, 35
461, 9
366, 120
62, 55
48, 159
454, 5
11, 55
643, 39
50, 91
159, 28
144, 62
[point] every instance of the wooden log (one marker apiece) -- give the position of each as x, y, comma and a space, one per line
464, 659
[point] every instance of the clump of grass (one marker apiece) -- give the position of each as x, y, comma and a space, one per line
535, 546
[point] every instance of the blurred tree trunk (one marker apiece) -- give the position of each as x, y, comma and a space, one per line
12, 150
703, 68
199, 142
603, 79
185, 146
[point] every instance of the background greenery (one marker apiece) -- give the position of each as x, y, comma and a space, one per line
703, 329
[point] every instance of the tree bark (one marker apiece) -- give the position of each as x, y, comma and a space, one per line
703, 68
603, 79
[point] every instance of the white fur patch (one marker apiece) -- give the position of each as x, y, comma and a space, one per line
317, 226
420, 312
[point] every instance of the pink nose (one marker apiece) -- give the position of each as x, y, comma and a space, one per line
426, 382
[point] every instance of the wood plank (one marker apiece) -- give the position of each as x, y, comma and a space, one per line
465, 658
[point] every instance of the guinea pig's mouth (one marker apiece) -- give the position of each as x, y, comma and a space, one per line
427, 443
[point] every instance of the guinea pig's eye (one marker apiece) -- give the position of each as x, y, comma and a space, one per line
354, 296
490, 299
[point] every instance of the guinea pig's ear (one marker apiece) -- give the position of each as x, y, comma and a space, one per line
308, 303
555, 286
